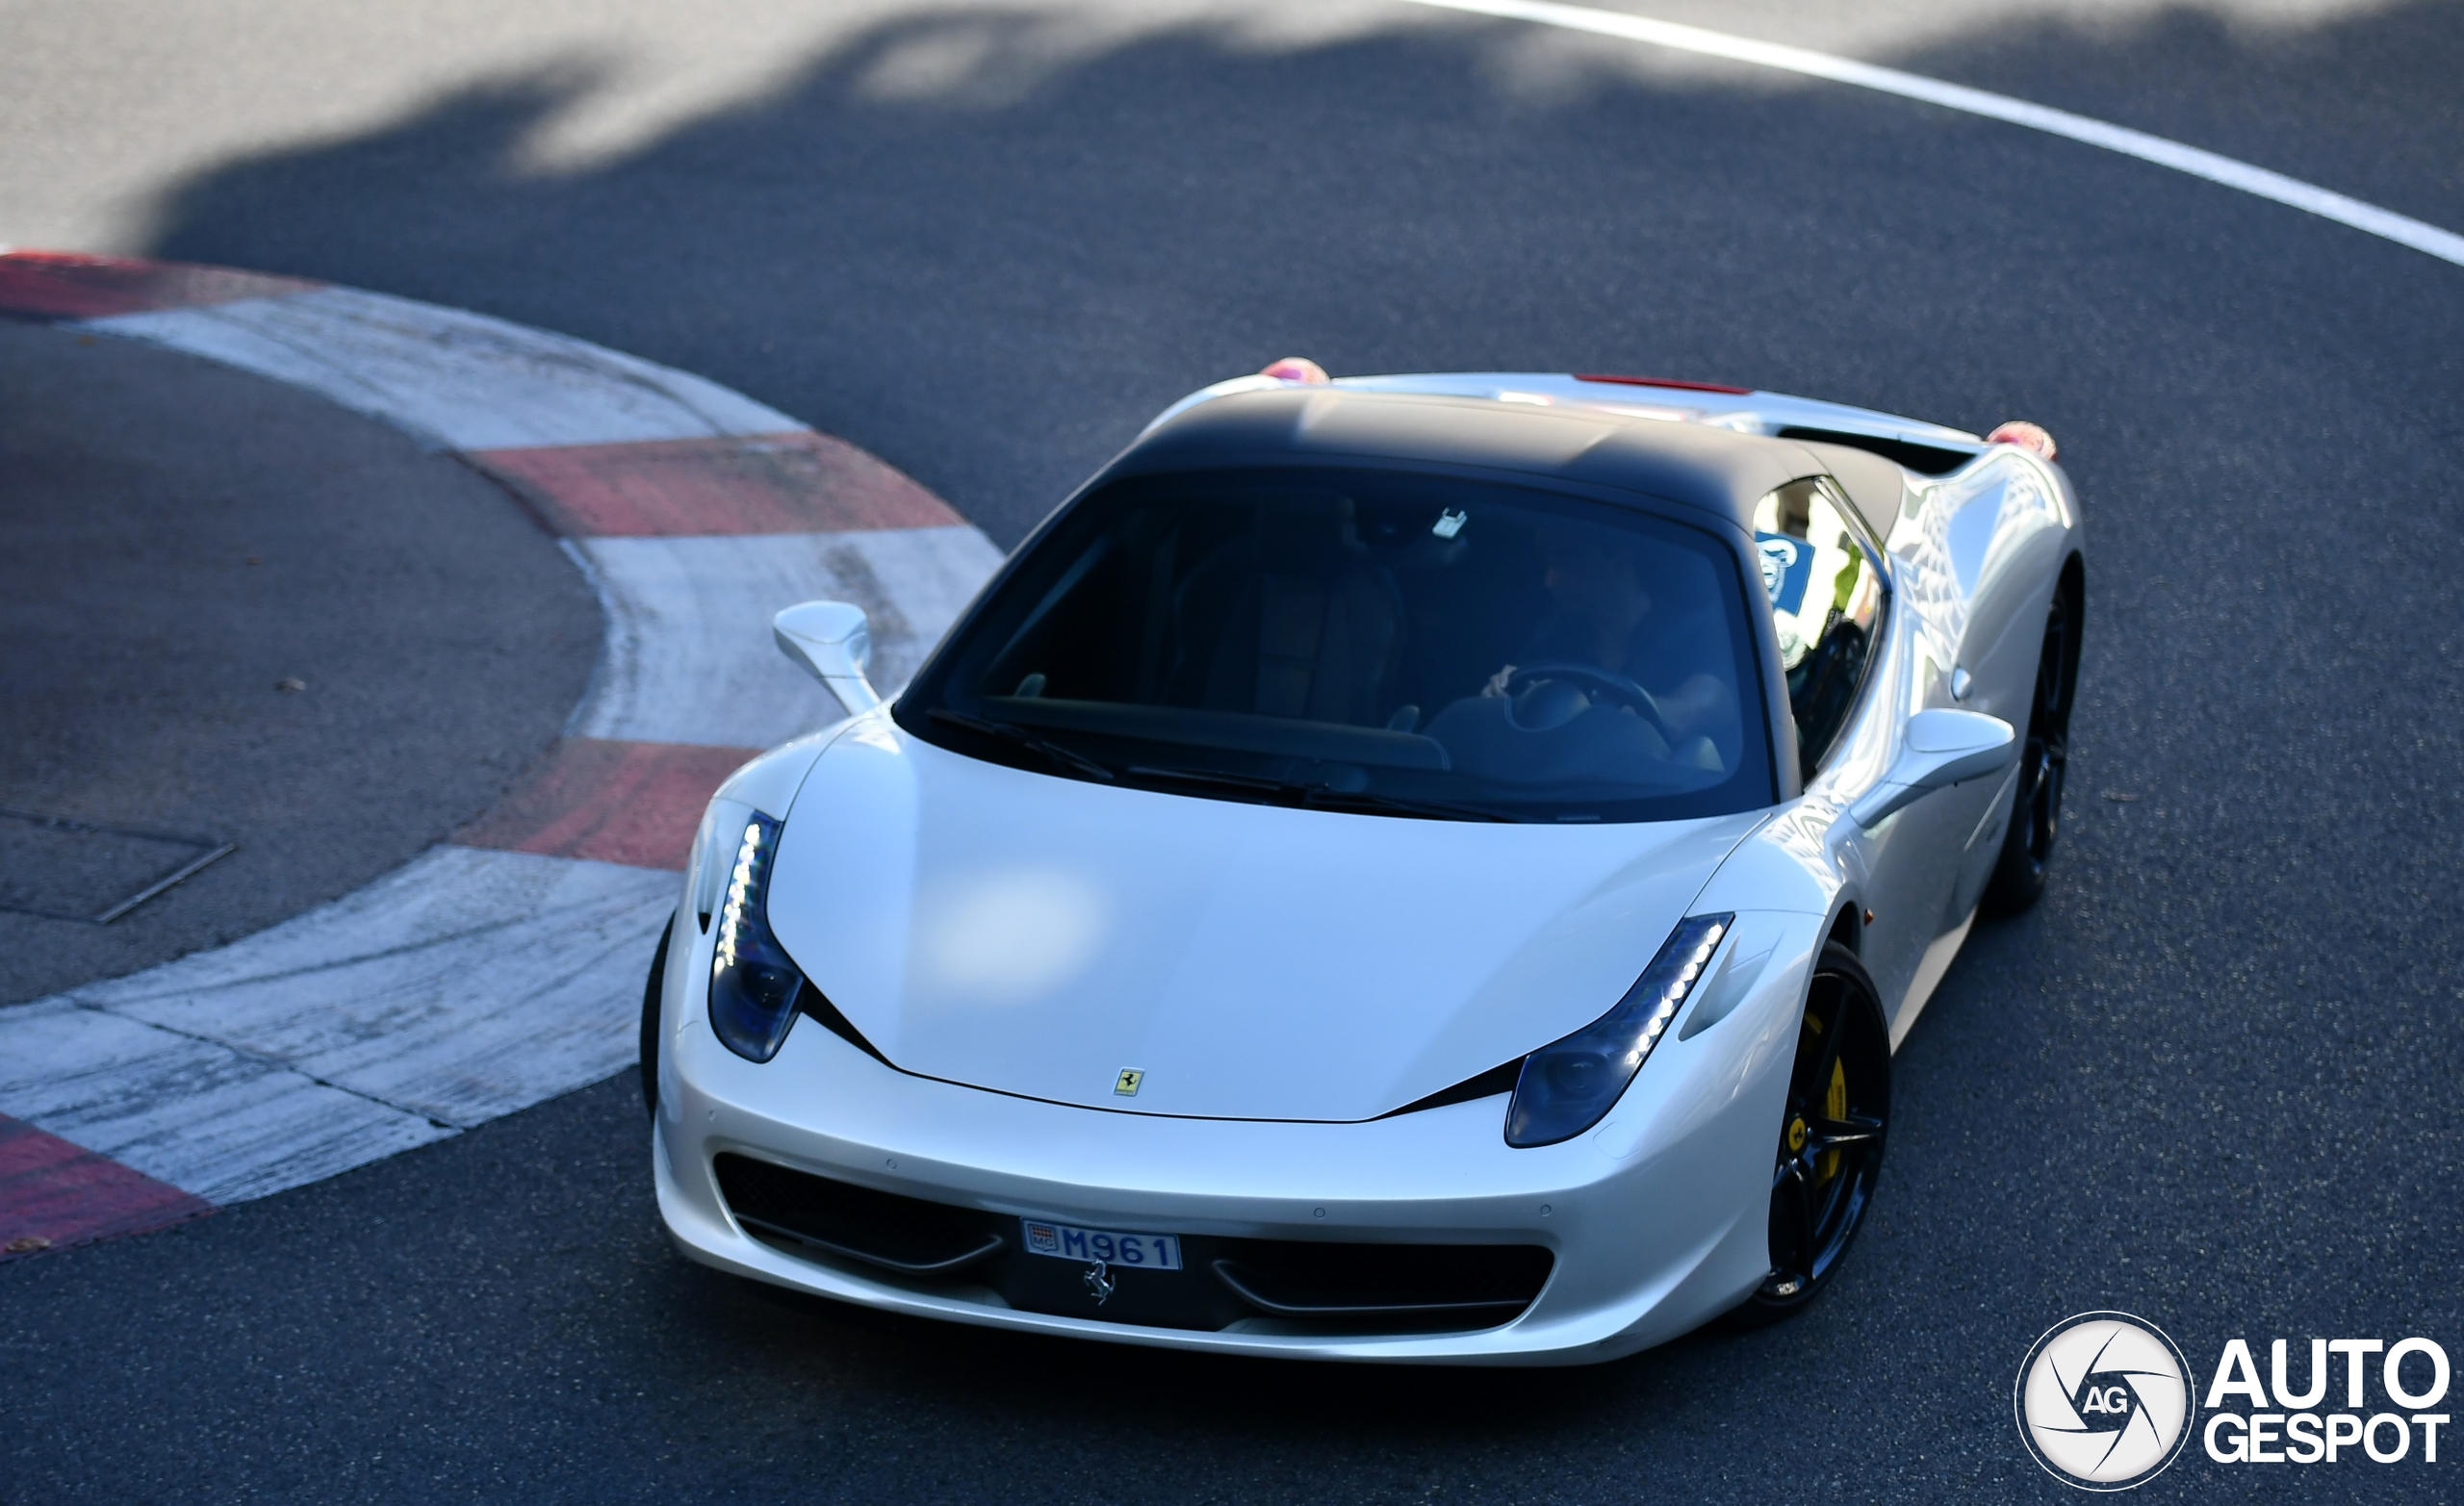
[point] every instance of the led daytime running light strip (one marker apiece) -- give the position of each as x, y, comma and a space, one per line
1677, 988
731, 920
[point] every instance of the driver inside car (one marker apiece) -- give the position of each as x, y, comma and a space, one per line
1605, 617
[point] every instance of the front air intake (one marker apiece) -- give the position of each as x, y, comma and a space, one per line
969, 1254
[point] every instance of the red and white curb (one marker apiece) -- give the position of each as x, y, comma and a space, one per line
502, 968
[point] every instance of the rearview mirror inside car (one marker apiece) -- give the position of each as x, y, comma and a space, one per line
1944, 748
834, 642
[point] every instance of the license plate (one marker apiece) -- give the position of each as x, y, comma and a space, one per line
1070, 1242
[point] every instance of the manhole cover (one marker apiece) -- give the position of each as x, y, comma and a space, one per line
79, 870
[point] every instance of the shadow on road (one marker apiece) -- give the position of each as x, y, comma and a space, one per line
987, 249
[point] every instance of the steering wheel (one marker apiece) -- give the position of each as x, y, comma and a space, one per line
1616, 687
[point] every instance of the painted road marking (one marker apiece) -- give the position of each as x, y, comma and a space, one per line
635, 803
688, 657
2215, 168
218, 1122
505, 968
65, 285
766, 483
54, 1194
456, 379
463, 985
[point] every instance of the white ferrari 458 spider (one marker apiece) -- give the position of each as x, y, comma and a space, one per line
1423, 868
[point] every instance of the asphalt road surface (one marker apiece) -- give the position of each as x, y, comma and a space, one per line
2213, 1080
231, 611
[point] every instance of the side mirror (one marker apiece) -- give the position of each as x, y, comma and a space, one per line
832, 642
1944, 747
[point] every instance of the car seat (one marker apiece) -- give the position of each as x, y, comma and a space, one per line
1309, 627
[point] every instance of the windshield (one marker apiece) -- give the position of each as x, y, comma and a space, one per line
1374, 641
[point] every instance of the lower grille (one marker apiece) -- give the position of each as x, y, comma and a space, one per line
1299, 1283
905, 1235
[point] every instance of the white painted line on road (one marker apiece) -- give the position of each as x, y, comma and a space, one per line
2231, 173
220, 1123
688, 657
461, 986
458, 380
458, 988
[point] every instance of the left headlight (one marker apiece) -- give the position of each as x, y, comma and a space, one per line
1566, 1087
755, 986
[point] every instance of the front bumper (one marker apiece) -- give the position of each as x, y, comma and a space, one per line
1657, 1219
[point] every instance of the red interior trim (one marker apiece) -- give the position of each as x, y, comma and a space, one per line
1663, 381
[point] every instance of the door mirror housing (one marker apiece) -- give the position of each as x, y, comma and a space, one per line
832, 642
1944, 747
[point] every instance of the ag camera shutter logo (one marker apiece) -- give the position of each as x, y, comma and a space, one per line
2104, 1401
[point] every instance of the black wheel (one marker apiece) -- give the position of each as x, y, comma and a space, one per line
2036, 810
650, 1021
1830, 1136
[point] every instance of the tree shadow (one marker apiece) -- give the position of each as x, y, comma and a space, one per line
994, 278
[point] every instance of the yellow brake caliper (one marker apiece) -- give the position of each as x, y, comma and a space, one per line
1834, 1105
1834, 1108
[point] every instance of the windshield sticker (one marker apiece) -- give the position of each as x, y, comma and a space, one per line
1449, 523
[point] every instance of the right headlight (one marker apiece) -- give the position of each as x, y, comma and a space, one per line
755, 986
1566, 1087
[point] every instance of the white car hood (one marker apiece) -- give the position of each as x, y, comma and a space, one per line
1037, 936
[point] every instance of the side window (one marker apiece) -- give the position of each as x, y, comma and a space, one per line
1826, 597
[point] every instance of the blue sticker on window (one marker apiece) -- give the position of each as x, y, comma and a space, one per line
1788, 568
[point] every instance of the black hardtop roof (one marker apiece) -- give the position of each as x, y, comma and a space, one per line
1692, 466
